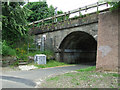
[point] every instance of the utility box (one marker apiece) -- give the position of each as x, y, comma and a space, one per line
40, 59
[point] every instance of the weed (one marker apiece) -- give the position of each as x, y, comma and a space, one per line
77, 83
69, 74
53, 78
113, 74
116, 75
86, 78
6, 50
51, 63
93, 68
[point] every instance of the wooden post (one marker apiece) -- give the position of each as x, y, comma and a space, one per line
79, 11
53, 19
65, 16
68, 15
107, 4
97, 6
43, 22
85, 8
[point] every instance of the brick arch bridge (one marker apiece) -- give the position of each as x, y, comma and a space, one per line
93, 38
77, 47
73, 43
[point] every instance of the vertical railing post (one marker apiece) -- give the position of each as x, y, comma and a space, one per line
107, 4
85, 8
97, 6
68, 14
65, 16
79, 11
53, 19
33, 25
43, 22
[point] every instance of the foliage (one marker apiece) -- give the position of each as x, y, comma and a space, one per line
0, 48
39, 10
51, 63
15, 64
14, 22
6, 50
86, 78
49, 54
56, 78
93, 68
115, 5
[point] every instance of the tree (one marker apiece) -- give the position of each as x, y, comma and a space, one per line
14, 21
115, 5
40, 10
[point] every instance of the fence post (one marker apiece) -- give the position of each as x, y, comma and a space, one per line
55, 20
52, 19
65, 16
97, 6
85, 8
43, 22
33, 25
79, 11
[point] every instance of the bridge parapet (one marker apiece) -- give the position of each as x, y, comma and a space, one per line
70, 23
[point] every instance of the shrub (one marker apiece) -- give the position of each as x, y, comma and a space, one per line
49, 54
0, 48
7, 50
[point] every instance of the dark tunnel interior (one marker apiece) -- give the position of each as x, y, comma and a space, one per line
78, 47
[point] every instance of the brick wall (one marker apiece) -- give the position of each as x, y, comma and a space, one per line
107, 50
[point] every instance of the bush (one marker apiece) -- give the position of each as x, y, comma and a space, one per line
6, 50
0, 48
49, 54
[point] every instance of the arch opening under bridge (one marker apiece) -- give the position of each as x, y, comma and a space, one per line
78, 47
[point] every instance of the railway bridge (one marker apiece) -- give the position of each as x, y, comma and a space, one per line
91, 38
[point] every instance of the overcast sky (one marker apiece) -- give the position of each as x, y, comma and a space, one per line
67, 5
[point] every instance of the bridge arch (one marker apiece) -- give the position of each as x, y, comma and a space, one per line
78, 47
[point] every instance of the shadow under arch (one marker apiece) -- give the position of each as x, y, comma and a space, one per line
78, 47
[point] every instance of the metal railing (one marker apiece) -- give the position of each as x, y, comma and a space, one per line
85, 8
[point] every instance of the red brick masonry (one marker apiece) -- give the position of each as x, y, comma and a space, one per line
107, 50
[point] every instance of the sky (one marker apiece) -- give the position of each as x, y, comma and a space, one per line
67, 5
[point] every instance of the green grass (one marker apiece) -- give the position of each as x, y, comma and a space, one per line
86, 77
53, 78
69, 74
48, 53
51, 63
93, 68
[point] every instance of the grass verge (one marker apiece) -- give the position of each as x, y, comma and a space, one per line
83, 78
93, 68
51, 63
